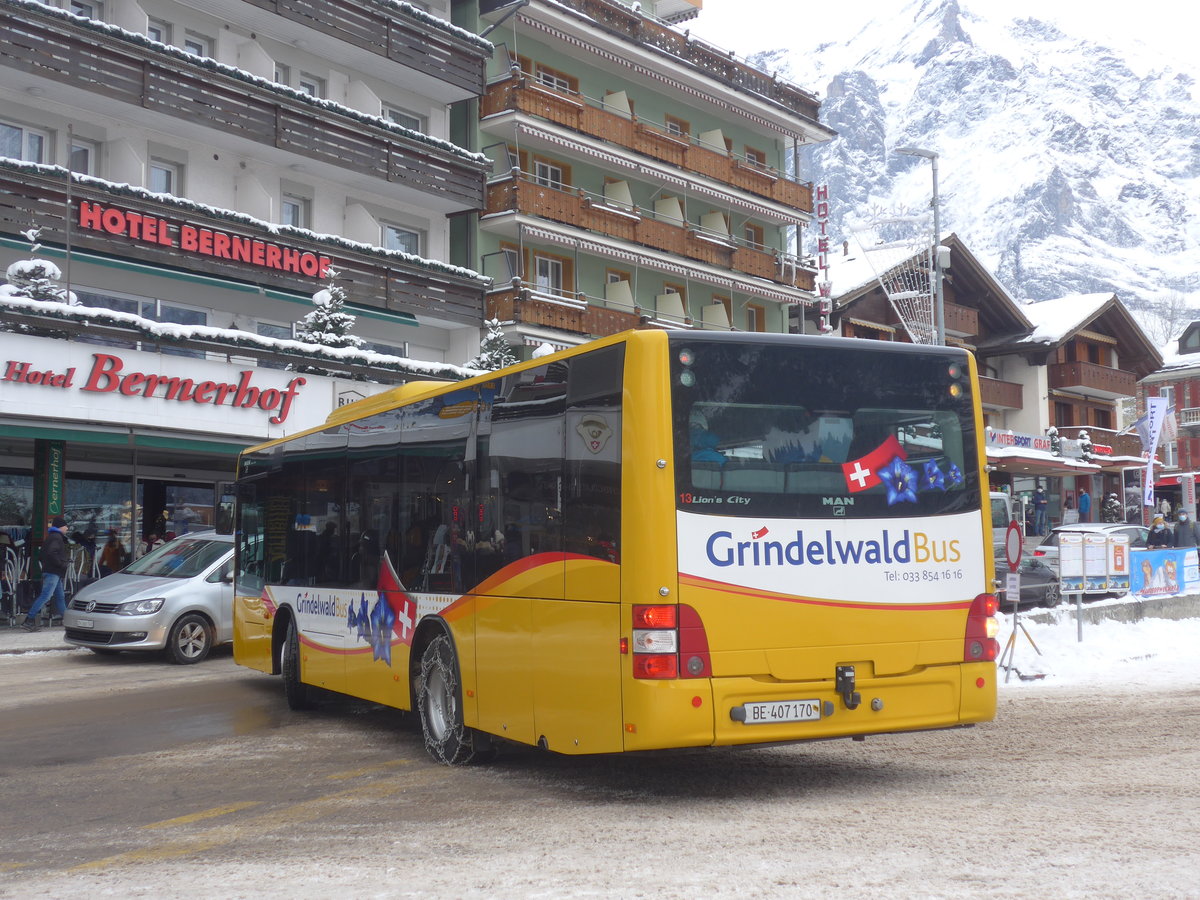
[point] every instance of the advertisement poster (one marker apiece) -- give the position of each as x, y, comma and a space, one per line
1095, 563
1070, 562
1164, 573
1118, 563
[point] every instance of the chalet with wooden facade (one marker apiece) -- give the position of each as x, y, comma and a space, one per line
1054, 376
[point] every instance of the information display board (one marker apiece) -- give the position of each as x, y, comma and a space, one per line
1070, 562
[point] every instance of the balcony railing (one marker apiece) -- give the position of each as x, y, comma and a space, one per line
1000, 394
525, 306
1120, 444
396, 31
1092, 380
1189, 418
378, 280
960, 320
574, 207
622, 20
134, 72
587, 116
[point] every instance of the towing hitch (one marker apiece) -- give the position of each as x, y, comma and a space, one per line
844, 685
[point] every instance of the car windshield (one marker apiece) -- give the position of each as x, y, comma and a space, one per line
180, 558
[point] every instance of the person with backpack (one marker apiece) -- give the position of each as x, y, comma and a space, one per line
54, 560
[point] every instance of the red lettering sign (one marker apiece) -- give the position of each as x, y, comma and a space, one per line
203, 241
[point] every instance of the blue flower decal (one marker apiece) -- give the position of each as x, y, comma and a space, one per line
954, 473
382, 620
901, 481
932, 478
360, 620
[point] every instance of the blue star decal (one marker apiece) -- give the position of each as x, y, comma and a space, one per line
901, 481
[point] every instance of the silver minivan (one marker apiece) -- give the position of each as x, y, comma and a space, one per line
177, 598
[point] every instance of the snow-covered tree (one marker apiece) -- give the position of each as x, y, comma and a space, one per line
36, 279
494, 351
329, 324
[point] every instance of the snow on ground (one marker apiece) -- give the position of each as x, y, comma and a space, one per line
1146, 652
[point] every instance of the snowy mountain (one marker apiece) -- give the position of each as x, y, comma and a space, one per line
1068, 167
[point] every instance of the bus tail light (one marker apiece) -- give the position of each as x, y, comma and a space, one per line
980, 644
669, 642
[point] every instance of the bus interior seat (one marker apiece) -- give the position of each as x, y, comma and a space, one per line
706, 475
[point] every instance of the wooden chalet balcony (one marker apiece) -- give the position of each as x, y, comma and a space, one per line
188, 88
999, 394
522, 94
1092, 380
573, 207
574, 315
395, 31
1119, 444
376, 279
962, 321
620, 19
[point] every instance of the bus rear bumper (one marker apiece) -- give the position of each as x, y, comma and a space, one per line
752, 711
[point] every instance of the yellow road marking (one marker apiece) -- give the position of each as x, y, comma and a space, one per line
205, 814
305, 811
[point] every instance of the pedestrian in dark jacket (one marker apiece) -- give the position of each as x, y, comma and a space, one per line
1186, 532
1160, 535
54, 560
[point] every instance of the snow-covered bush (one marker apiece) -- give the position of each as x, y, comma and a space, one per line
494, 350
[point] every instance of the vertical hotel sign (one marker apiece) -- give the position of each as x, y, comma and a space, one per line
825, 304
49, 484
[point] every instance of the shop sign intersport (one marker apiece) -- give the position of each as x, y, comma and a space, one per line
66, 380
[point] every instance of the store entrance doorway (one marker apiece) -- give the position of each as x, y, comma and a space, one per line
168, 509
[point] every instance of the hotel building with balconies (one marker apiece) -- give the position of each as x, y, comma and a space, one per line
639, 176
195, 171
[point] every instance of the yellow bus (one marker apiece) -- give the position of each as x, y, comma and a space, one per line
660, 539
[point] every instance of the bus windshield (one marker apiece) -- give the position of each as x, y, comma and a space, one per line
766, 429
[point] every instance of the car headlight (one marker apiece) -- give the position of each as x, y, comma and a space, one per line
140, 607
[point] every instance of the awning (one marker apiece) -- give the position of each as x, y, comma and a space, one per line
1023, 461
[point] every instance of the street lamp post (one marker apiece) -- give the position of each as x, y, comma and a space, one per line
938, 303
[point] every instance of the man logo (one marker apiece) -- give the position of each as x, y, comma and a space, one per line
839, 512
837, 501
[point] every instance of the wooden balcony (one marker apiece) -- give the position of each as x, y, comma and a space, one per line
625, 22
572, 207
183, 87
520, 305
1120, 444
961, 321
521, 94
997, 394
374, 279
1092, 380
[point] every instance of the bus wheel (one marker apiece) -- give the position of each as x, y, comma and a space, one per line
439, 699
296, 691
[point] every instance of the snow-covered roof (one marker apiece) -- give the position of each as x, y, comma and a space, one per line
1055, 320
233, 337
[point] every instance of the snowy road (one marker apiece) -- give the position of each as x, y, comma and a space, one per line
1082, 787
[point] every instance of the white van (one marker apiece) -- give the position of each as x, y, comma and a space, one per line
1002, 514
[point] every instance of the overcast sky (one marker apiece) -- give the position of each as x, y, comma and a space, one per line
746, 26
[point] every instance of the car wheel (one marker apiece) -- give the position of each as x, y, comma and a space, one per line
190, 639
439, 700
1053, 595
295, 691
